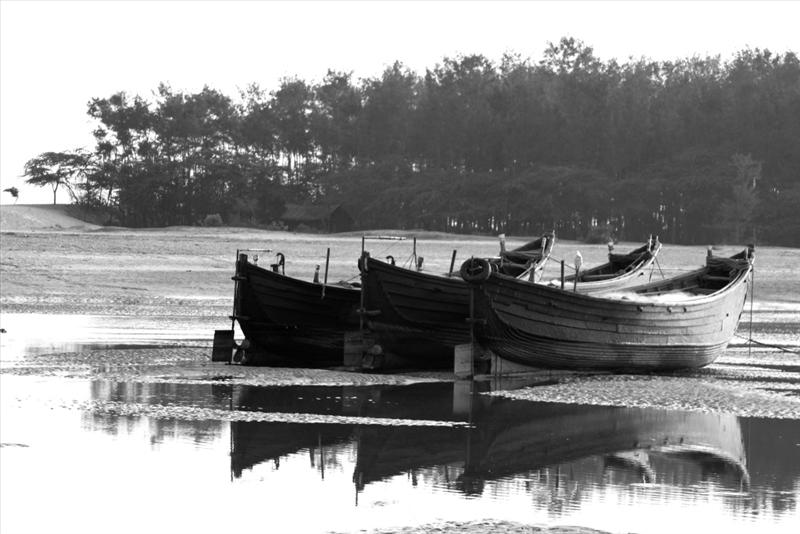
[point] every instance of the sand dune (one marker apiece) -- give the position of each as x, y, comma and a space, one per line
26, 217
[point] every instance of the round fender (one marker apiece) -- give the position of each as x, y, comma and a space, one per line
476, 270
362, 262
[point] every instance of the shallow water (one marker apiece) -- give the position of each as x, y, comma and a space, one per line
157, 435
172, 457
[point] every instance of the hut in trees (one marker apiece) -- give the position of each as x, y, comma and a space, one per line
325, 218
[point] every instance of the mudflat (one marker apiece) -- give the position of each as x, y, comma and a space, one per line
179, 280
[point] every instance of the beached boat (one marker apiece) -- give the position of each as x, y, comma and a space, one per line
420, 317
682, 322
288, 320
620, 270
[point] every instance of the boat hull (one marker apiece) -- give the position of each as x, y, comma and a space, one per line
415, 315
290, 319
541, 326
422, 317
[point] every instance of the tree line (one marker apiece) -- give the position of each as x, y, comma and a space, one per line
697, 150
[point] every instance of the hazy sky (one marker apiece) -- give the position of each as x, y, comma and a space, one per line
56, 56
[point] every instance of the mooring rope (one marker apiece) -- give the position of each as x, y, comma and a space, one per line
749, 338
779, 347
752, 295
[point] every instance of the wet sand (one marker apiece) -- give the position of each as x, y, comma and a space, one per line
490, 527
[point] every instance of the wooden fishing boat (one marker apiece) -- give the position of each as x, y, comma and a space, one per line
419, 317
291, 321
682, 322
620, 269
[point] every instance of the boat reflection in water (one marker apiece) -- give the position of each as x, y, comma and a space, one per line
559, 453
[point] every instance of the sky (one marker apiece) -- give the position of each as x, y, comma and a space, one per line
56, 56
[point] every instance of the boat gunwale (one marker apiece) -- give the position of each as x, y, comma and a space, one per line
639, 264
288, 280
598, 298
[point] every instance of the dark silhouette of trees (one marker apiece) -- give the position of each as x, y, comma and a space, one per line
697, 150
13, 191
56, 169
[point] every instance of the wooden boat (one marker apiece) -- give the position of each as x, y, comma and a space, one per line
682, 322
292, 321
620, 269
419, 317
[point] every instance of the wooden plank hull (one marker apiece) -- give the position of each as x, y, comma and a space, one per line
547, 327
290, 317
421, 316
416, 315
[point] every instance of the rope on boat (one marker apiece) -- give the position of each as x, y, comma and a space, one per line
659, 268
752, 295
566, 263
387, 248
409, 262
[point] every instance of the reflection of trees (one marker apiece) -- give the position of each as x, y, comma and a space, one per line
158, 428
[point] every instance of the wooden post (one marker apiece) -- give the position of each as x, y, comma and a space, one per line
472, 332
452, 263
562, 274
235, 289
327, 261
414, 254
578, 263
364, 256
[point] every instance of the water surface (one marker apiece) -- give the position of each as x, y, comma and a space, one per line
610, 468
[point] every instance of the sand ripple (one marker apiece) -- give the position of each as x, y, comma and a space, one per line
191, 366
196, 413
667, 392
487, 526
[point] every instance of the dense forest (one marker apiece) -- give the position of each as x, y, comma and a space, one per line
698, 150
